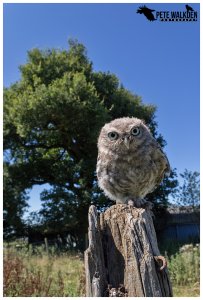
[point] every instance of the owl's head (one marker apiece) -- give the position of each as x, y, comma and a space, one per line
123, 135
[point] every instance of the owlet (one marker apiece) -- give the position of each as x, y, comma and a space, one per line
130, 162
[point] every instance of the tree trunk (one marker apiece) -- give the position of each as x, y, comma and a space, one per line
123, 255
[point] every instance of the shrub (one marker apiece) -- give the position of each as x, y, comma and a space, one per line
41, 276
184, 270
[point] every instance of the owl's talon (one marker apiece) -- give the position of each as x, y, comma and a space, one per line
131, 203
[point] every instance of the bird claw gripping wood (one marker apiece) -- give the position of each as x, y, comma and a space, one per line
163, 260
131, 203
140, 203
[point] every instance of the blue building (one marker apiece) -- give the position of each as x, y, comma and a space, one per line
182, 225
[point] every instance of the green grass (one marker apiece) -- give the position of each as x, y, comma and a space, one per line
62, 274
186, 291
184, 270
41, 275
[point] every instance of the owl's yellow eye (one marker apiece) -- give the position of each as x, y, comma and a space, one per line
135, 131
113, 135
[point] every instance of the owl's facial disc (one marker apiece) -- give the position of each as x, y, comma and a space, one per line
128, 138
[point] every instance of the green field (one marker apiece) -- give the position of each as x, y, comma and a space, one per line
40, 274
184, 269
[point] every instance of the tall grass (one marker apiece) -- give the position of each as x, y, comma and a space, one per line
36, 273
41, 275
184, 269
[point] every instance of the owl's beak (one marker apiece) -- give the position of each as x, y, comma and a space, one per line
127, 142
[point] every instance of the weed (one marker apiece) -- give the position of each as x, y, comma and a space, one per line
184, 270
38, 273
41, 275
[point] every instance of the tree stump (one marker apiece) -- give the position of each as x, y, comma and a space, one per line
123, 256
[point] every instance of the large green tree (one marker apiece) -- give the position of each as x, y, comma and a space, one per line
52, 118
15, 204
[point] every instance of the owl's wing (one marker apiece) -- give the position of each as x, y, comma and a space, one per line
165, 159
101, 165
161, 161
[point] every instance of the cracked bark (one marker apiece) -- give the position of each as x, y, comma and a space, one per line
123, 250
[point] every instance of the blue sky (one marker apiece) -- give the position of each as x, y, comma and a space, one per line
157, 60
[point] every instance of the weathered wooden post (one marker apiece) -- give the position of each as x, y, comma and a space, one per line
123, 258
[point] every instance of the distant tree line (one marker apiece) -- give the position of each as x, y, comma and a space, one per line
52, 118
188, 192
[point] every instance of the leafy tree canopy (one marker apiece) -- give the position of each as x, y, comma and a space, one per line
52, 118
188, 193
15, 204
